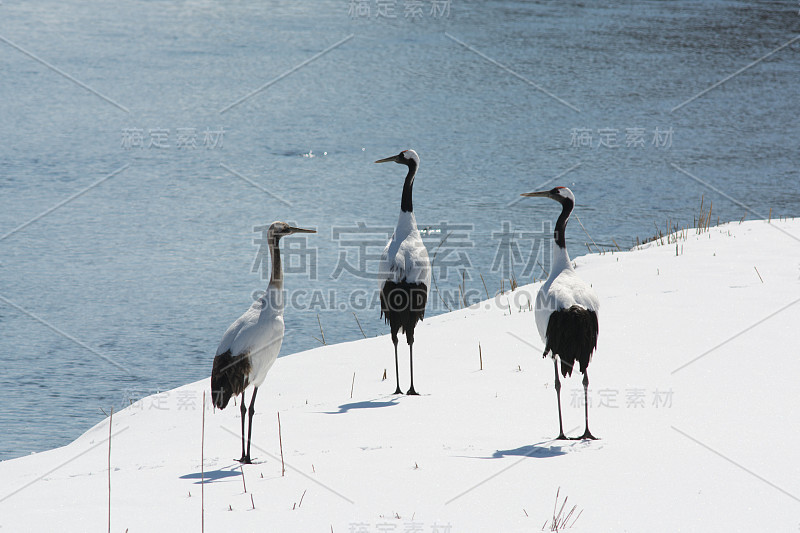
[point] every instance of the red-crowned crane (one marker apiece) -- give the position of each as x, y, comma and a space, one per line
405, 271
566, 310
251, 344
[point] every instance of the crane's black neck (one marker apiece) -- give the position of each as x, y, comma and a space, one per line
406, 204
276, 280
561, 224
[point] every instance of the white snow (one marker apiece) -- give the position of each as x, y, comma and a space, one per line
693, 396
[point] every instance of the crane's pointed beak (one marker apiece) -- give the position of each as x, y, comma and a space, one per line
545, 194
292, 229
387, 159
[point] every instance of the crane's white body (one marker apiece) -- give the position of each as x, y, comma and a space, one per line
405, 258
251, 344
257, 334
562, 290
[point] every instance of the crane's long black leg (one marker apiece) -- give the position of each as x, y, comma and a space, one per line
396, 366
561, 435
411, 391
250, 424
243, 411
586, 434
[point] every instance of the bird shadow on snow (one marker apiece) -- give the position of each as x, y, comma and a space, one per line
531, 450
212, 475
369, 404
555, 448
539, 450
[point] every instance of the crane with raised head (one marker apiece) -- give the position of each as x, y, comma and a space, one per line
566, 310
251, 344
405, 270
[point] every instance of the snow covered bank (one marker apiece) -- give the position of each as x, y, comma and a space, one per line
692, 389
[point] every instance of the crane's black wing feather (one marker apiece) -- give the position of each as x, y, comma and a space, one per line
572, 335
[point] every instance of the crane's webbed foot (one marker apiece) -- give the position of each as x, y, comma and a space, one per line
245, 460
587, 435
412, 392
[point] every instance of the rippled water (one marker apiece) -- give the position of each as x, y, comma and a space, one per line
146, 268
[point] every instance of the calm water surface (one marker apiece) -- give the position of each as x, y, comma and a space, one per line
147, 267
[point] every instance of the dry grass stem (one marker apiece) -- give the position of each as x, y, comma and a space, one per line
587, 234
280, 442
433, 276
110, 420
484, 285
560, 520
301, 498
322, 333
202, 468
359, 325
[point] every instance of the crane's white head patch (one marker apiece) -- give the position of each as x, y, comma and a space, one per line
564, 193
410, 155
